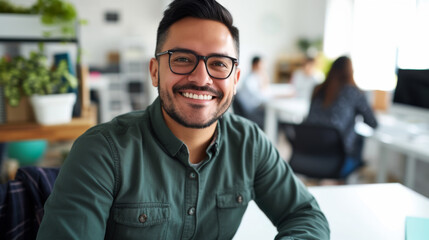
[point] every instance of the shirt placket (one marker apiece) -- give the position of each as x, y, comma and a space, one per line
191, 198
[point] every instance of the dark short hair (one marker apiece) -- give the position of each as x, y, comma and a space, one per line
255, 60
309, 60
203, 9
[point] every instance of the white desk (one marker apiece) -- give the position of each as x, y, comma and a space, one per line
406, 132
292, 110
279, 106
354, 212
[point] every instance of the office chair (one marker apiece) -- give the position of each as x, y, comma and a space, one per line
317, 151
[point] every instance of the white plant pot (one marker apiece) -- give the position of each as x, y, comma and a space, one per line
53, 109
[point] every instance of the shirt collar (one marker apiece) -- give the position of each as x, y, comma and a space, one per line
164, 135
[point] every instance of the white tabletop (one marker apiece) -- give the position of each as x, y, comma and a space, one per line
371, 211
405, 135
291, 110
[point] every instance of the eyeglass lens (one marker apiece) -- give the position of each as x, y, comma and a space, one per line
185, 63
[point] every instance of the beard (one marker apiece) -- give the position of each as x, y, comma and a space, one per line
169, 106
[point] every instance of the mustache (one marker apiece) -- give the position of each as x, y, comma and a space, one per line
218, 94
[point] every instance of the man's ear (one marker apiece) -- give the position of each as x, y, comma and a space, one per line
153, 69
236, 78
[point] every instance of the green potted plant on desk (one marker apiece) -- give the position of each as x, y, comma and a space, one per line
48, 89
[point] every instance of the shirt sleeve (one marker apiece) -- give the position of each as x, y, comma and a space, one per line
363, 108
284, 198
79, 205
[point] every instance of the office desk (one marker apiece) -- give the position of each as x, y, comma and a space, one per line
292, 110
354, 212
406, 132
282, 106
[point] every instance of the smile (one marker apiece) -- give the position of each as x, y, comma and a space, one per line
196, 96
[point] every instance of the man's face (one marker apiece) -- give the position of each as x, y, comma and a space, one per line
181, 94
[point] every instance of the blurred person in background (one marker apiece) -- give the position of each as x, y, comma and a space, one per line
250, 98
306, 78
337, 102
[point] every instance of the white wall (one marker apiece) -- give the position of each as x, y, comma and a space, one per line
137, 19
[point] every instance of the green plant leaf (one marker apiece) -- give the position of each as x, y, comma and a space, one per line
28, 76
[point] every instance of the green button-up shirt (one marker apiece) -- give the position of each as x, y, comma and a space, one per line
131, 179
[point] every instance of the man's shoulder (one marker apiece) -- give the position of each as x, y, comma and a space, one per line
233, 123
122, 124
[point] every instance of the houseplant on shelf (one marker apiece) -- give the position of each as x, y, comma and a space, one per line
59, 15
32, 77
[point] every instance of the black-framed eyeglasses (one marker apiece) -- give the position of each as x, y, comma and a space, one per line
184, 62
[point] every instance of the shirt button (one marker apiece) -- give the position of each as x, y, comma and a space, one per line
240, 199
191, 211
142, 218
192, 175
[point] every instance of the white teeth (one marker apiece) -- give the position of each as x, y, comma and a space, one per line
195, 96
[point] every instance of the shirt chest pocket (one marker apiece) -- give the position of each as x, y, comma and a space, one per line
230, 209
139, 221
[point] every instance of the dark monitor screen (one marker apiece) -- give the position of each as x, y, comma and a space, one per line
412, 88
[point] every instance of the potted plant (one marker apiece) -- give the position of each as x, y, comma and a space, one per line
46, 87
58, 16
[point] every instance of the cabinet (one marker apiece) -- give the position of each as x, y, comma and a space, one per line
285, 67
15, 30
134, 71
112, 95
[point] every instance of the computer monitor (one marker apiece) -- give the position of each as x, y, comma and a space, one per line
412, 88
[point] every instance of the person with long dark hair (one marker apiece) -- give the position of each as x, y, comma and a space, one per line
337, 102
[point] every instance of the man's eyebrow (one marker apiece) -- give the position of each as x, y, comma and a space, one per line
182, 49
191, 51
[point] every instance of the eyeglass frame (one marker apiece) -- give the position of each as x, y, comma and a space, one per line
199, 57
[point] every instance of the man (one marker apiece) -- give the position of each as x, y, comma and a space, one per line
306, 78
183, 168
253, 93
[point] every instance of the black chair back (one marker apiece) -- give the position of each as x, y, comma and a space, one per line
317, 151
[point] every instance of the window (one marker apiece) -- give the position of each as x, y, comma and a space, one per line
379, 36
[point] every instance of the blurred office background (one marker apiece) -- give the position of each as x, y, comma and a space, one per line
380, 36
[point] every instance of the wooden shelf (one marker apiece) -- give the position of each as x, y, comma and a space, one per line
31, 130
286, 66
27, 28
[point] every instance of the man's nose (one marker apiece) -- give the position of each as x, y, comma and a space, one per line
200, 74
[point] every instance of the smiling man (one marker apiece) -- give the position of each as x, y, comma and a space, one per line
184, 168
